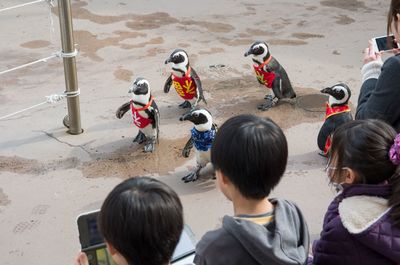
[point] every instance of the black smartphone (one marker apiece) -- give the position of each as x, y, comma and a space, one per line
92, 242
384, 43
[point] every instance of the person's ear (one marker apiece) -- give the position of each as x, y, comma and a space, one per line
351, 176
111, 249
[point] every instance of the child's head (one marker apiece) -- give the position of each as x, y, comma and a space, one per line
142, 220
252, 153
361, 147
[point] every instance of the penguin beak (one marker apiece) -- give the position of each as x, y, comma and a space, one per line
186, 117
248, 53
327, 90
168, 60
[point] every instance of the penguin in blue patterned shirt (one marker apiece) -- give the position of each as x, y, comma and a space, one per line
202, 136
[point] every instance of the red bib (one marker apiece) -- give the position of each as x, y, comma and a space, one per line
184, 86
330, 111
140, 121
266, 78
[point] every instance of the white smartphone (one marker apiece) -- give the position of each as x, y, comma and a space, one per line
384, 43
93, 245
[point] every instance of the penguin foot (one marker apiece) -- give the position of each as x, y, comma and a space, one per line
191, 177
140, 138
269, 103
149, 147
185, 105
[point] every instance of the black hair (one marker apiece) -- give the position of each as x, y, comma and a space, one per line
142, 219
252, 153
363, 146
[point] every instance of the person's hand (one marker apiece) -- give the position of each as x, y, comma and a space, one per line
81, 259
370, 55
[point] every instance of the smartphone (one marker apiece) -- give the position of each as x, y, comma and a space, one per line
381, 43
92, 242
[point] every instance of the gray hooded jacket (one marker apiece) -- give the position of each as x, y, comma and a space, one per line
284, 241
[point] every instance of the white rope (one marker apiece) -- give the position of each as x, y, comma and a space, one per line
54, 98
59, 54
43, 60
26, 4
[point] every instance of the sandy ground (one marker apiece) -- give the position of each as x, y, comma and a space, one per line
48, 177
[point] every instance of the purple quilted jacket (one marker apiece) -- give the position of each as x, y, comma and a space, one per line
358, 230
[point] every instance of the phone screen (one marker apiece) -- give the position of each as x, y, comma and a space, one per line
382, 43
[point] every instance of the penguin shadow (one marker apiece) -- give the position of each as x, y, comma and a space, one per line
201, 185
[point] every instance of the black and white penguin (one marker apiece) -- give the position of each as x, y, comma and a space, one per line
145, 114
337, 113
184, 79
271, 74
202, 137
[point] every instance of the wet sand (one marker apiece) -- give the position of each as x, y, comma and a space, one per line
48, 177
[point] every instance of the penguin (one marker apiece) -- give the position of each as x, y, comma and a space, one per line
202, 137
184, 79
145, 114
337, 113
270, 73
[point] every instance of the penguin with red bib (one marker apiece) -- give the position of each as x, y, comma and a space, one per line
270, 73
184, 79
202, 137
145, 114
337, 113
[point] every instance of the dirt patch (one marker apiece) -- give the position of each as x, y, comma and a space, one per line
21, 165
287, 42
260, 32
304, 36
351, 5
236, 42
210, 26
89, 43
150, 21
212, 51
344, 20
132, 161
158, 40
35, 44
123, 74
4, 198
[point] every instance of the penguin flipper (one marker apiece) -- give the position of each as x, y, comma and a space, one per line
199, 87
168, 84
187, 148
122, 110
327, 129
156, 116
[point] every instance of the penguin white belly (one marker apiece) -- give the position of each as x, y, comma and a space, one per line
203, 157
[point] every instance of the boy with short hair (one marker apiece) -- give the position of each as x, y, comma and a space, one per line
249, 155
141, 221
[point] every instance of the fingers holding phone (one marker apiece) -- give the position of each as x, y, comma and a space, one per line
81, 259
371, 54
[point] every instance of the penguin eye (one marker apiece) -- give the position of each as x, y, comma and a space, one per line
195, 114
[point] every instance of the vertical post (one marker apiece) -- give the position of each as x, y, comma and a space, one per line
71, 80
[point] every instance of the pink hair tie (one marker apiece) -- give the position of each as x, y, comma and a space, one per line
394, 152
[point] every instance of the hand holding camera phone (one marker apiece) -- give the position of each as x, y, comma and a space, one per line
384, 44
92, 242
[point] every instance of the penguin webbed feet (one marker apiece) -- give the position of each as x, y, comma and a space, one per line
269, 103
193, 176
185, 105
150, 145
140, 138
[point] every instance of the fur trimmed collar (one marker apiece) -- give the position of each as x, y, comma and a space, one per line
358, 213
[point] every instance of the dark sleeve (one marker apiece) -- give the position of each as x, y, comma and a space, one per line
379, 98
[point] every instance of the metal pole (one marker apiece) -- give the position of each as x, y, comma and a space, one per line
71, 80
